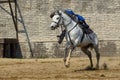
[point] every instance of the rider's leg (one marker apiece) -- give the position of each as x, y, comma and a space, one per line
85, 26
61, 37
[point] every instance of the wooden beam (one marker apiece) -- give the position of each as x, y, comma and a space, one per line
6, 1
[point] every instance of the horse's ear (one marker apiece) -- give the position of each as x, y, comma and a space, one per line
59, 12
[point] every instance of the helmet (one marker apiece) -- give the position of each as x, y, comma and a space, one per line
69, 11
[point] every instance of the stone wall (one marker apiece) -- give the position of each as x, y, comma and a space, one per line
103, 16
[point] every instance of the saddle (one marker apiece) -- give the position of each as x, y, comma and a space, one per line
85, 28
89, 31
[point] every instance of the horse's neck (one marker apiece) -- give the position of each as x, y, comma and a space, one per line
69, 23
71, 26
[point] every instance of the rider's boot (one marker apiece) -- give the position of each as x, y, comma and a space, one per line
61, 36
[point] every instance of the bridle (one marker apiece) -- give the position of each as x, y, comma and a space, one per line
57, 23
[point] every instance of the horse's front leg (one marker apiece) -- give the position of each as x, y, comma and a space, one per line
67, 64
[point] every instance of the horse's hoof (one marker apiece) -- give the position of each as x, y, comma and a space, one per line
67, 66
97, 67
89, 68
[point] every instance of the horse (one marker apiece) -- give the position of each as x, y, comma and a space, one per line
74, 37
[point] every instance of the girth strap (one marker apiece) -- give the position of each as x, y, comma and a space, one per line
69, 34
82, 37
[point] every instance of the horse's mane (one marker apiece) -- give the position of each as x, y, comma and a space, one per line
71, 16
52, 14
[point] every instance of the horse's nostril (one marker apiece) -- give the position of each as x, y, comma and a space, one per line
51, 26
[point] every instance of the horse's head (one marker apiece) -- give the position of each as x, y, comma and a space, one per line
56, 19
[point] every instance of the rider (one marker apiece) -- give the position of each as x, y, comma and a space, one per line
78, 18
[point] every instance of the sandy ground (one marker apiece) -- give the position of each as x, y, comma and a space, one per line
54, 69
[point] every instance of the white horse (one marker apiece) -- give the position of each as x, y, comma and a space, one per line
74, 35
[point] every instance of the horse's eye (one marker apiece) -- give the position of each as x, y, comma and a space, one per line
57, 18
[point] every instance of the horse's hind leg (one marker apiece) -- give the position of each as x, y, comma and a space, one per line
97, 55
65, 55
88, 53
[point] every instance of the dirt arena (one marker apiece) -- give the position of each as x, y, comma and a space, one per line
53, 69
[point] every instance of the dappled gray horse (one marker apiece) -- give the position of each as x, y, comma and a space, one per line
74, 37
